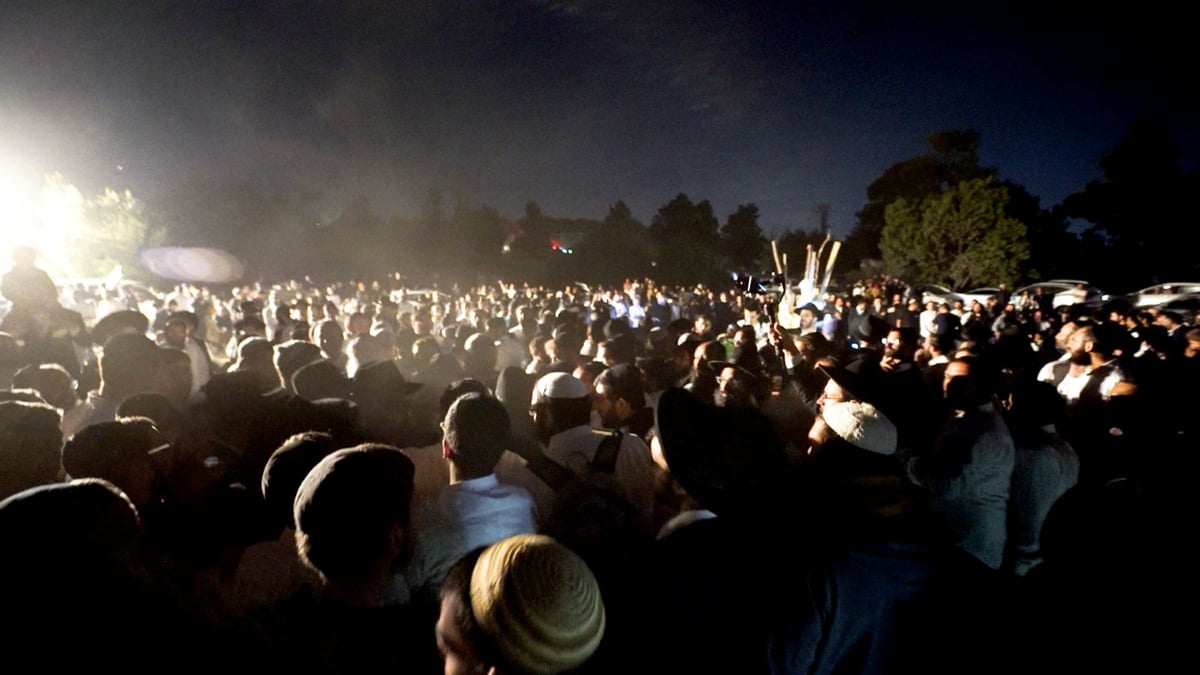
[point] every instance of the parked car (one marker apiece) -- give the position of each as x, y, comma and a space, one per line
1153, 296
937, 294
980, 294
1186, 306
1066, 292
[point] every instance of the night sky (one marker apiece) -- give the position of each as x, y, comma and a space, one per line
578, 104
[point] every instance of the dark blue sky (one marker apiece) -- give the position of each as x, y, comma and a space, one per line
579, 104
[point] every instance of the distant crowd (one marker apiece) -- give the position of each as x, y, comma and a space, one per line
514, 478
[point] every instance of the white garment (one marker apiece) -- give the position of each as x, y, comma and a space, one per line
1072, 385
510, 353
926, 321
197, 353
574, 449
1043, 473
466, 515
974, 504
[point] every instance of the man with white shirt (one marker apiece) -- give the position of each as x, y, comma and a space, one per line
177, 334
561, 408
475, 509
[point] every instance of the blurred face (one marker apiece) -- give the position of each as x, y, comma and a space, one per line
1193, 349
423, 324
1077, 345
832, 393
175, 333
1063, 335
359, 324
608, 407
703, 325
954, 369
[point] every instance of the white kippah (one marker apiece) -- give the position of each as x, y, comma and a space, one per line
559, 385
861, 425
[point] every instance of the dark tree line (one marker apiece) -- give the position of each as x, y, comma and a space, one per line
1124, 228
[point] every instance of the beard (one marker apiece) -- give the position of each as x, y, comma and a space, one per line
1081, 358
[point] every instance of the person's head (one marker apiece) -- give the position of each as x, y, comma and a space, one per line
1098, 342
327, 334
286, 469
808, 314
620, 392
900, 344
1169, 320
962, 366
175, 333
358, 323
422, 322
424, 348
744, 335
493, 621
30, 442
966, 385
352, 515
480, 355
475, 434
559, 402
617, 350
255, 355
495, 327
857, 380
1193, 343
702, 324
706, 353
153, 406
366, 348
735, 386
320, 380
174, 375
118, 452
856, 432
128, 365
1063, 336
50, 380
292, 355
24, 256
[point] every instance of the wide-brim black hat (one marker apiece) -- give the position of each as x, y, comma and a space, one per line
120, 321
731, 460
380, 378
861, 378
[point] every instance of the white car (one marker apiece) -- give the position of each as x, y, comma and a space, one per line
980, 294
1066, 292
938, 294
1152, 296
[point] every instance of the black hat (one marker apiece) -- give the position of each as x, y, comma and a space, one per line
861, 378
321, 379
380, 378
624, 380
872, 329
731, 460
188, 318
120, 321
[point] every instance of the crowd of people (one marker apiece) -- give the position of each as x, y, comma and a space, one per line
514, 478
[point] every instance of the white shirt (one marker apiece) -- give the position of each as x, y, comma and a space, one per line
1072, 385
574, 449
465, 515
